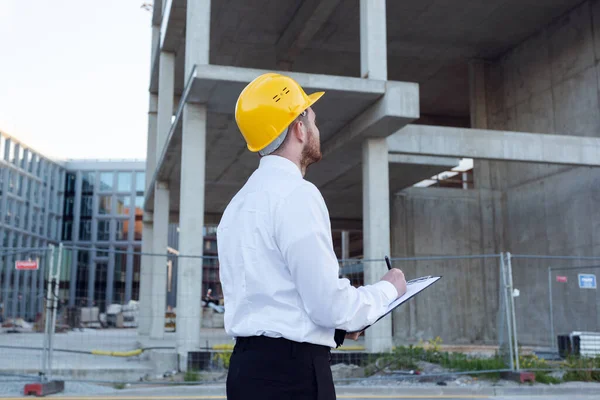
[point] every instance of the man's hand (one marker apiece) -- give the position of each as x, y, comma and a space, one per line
396, 278
353, 336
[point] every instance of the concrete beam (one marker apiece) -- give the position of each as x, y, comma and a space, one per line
496, 145
449, 162
398, 107
307, 21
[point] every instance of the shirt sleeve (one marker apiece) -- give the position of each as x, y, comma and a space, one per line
303, 233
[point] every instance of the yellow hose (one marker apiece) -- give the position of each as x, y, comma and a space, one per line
130, 353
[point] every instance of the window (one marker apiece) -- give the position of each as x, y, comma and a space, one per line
85, 230
9, 210
34, 159
82, 278
42, 224
70, 183
103, 229
58, 227
104, 205
12, 181
121, 232
139, 202
69, 206
67, 231
138, 228
35, 189
124, 182
28, 159
51, 228
106, 182
86, 206
123, 205
34, 220
51, 202
17, 216
19, 190
87, 179
140, 181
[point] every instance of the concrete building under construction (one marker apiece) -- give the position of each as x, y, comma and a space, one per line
412, 88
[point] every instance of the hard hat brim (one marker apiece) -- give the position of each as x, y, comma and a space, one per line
314, 97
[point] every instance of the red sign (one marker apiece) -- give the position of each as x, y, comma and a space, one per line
561, 278
26, 265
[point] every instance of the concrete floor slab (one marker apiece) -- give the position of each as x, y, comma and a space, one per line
352, 109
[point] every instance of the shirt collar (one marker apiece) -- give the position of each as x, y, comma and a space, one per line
281, 163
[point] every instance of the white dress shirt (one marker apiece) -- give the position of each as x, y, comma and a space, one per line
277, 266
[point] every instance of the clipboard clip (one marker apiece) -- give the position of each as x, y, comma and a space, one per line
423, 278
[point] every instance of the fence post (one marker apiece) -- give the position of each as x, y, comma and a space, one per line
505, 288
552, 335
47, 316
55, 284
512, 305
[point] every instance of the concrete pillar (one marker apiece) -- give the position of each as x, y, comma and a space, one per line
191, 206
477, 91
376, 190
373, 39
376, 231
166, 88
159, 263
147, 231
146, 276
191, 223
345, 245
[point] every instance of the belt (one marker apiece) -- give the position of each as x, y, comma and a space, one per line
281, 345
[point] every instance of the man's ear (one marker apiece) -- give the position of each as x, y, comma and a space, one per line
299, 130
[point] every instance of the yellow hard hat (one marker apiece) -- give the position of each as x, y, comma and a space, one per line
267, 106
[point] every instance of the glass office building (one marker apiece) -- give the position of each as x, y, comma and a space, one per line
31, 198
94, 207
102, 222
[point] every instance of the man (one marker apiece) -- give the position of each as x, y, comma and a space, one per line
284, 301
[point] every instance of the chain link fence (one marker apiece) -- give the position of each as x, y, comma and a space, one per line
486, 315
555, 295
26, 301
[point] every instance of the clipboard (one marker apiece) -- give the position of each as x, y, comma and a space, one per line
413, 287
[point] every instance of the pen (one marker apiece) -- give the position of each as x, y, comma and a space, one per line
387, 261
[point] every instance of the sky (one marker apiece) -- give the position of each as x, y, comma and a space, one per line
74, 76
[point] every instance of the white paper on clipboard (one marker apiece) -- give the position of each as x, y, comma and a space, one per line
413, 287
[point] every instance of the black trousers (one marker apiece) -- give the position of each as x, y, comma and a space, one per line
279, 369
